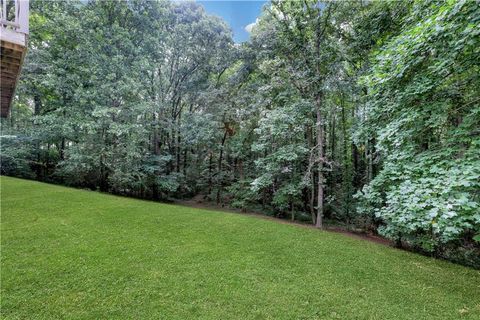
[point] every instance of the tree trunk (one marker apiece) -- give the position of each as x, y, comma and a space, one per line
241, 176
62, 149
292, 211
178, 142
356, 180
185, 160
220, 159
312, 199
37, 108
320, 155
155, 144
368, 159
210, 169
346, 175
156, 151
332, 138
311, 196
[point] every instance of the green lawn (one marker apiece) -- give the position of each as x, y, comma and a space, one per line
73, 254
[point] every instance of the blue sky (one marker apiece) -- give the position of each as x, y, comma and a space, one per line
238, 14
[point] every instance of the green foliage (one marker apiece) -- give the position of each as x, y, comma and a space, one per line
245, 197
15, 156
424, 113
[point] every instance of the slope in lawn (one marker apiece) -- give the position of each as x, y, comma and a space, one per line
76, 254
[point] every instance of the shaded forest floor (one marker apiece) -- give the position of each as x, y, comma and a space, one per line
199, 203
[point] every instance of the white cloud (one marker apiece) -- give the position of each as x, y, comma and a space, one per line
249, 27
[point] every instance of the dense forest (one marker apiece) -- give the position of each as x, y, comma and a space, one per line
364, 114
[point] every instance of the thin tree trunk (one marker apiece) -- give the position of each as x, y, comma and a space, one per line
355, 159
103, 168
220, 159
240, 170
346, 178
332, 138
292, 211
62, 149
368, 159
37, 108
185, 158
311, 196
156, 151
178, 142
320, 155
155, 144
312, 199
210, 169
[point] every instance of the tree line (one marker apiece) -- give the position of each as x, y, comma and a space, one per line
358, 113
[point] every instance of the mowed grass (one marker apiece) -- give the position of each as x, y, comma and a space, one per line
74, 254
